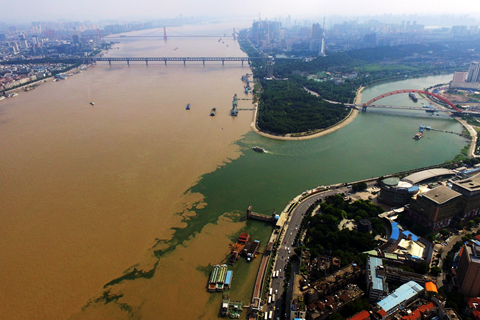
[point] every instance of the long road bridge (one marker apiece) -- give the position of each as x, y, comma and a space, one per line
166, 59
391, 93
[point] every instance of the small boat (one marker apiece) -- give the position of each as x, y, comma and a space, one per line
418, 136
188, 106
212, 113
92, 103
258, 149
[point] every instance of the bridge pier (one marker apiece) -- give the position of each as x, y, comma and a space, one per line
364, 108
223, 62
109, 62
165, 61
146, 61
242, 63
203, 61
128, 62
184, 61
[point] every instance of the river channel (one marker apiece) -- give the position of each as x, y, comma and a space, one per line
137, 183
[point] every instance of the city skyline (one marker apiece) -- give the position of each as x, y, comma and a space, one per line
14, 12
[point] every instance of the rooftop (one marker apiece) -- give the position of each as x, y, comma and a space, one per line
427, 174
361, 316
400, 295
441, 194
377, 283
430, 286
471, 184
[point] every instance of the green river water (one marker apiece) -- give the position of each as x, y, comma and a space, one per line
376, 143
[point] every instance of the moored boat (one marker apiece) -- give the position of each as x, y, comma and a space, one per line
212, 282
213, 111
188, 106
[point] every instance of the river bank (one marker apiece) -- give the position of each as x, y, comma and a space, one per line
316, 133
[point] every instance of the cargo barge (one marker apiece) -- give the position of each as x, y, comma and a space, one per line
213, 278
222, 274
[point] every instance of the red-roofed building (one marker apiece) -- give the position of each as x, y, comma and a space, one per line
473, 308
364, 315
383, 313
426, 307
461, 251
417, 314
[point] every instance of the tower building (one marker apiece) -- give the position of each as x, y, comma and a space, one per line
474, 72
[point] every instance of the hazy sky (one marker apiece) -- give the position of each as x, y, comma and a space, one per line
34, 10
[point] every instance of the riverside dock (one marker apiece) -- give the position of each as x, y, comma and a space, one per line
257, 216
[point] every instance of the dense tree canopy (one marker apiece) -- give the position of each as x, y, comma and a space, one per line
285, 107
323, 235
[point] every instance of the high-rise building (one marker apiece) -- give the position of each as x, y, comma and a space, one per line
316, 31
322, 50
436, 208
468, 271
470, 190
474, 72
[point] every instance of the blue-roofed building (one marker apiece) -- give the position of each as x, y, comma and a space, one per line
228, 279
376, 285
403, 295
395, 232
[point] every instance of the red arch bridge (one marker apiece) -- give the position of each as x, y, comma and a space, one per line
391, 93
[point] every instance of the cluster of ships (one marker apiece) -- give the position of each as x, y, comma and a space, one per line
419, 134
234, 110
218, 278
10, 95
429, 109
247, 81
221, 278
244, 247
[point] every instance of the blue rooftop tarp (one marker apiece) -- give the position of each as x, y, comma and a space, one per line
395, 232
407, 233
414, 188
228, 279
